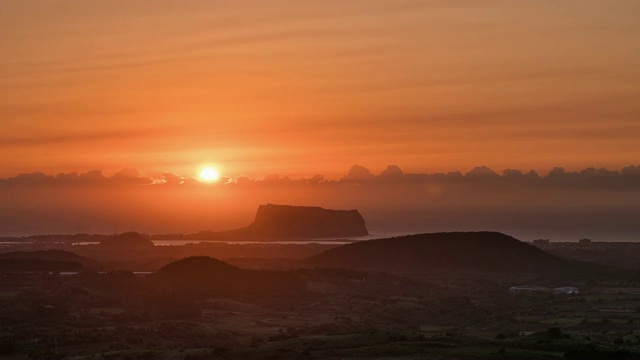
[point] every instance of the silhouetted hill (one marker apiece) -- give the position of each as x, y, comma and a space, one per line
306, 222
197, 268
277, 222
200, 275
206, 276
481, 251
26, 264
51, 255
127, 241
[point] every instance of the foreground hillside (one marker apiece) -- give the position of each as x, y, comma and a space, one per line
203, 308
483, 251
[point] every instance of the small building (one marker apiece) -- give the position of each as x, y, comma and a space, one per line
528, 289
584, 241
566, 290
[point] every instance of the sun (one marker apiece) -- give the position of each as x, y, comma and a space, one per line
209, 174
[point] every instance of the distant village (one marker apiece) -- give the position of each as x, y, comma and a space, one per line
566, 290
625, 254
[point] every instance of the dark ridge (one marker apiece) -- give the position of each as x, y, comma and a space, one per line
197, 266
26, 264
205, 276
197, 273
127, 241
306, 222
50, 255
479, 251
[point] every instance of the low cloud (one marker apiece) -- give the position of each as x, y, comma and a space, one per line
627, 178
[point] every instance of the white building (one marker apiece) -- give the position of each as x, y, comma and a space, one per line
566, 290
527, 289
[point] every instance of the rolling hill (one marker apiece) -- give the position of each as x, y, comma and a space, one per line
52, 256
38, 265
206, 276
479, 251
127, 241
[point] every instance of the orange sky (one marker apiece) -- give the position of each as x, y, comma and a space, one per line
312, 87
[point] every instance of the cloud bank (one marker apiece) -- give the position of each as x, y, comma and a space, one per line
563, 205
627, 178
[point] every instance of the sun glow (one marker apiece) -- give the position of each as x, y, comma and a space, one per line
209, 174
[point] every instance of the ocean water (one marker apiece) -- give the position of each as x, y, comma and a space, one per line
326, 241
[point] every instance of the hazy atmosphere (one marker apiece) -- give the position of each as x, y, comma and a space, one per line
320, 180
264, 92
561, 205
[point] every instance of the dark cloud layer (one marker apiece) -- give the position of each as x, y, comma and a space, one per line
627, 178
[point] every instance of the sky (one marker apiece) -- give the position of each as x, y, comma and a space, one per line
110, 109
299, 88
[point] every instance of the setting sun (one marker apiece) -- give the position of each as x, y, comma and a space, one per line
209, 174
248, 179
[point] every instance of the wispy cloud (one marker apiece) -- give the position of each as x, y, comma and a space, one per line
73, 138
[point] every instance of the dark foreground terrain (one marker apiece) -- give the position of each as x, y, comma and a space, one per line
203, 308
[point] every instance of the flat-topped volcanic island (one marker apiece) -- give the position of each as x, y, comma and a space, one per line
287, 222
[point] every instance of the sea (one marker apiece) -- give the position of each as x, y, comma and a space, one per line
325, 241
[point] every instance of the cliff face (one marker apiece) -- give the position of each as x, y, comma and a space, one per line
306, 222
